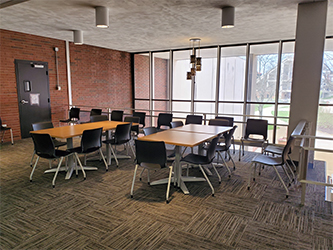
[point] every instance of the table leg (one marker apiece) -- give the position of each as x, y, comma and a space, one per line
71, 161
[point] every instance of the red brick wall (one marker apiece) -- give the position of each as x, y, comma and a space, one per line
141, 76
100, 77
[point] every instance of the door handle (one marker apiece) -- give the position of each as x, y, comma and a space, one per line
24, 102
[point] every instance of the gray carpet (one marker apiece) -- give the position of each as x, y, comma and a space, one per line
98, 213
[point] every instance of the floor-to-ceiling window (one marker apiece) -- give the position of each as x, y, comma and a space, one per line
249, 80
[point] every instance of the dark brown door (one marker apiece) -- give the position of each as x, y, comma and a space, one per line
33, 93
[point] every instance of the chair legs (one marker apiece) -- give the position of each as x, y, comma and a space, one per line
169, 181
105, 163
224, 163
254, 164
83, 172
204, 174
56, 173
11, 136
33, 169
114, 155
32, 158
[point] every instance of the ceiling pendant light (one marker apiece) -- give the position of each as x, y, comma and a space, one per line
228, 17
78, 37
102, 17
194, 61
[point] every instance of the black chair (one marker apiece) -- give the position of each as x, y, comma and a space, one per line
91, 141
151, 156
44, 148
257, 127
95, 112
98, 118
142, 116
149, 130
122, 136
176, 124
135, 128
223, 122
226, 118
45, 125
117, 115
3, 129
199, 160
274, 162
164, 120
225, 148
193, 119
74, 116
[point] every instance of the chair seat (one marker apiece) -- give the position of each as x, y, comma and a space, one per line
274, 149
59, 143
80, 151
268, 160
114, 142
151, 165
4, 128
221, 147
196, 159
58, 154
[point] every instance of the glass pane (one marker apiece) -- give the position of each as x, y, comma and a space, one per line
160, 106
281, 134
286, 74
161, 75
326, 87
141, 76
181, 89
325, 122
262, 72
205, 80
181, 106
205, 108
283, 112
232, 74
260, 110
226, 109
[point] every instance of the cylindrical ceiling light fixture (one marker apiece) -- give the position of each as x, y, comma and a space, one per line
78, 37
228, 17
102, 17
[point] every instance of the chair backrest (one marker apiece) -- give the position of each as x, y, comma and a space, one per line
98, 118
44, 145
218, 122
212, 148
123, 133
91, 140
287, 149
0, 122
95, 112
193, 119
176, 124
149, 131
133, 119
41, 125
151, 152
142, 116
74, 113
164, 119
117, 115
256, 127
226, 118
228, 136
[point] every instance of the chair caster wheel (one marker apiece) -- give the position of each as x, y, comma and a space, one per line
148, 183
229, 176
167, 202
287, 196
30, 165
213, 195
117, 166
140, 179
30, 180
53, 186
254, 179
106, 170
84, 178
259, 173
77, 176
219, 182
132, 196
234, 168
248, 188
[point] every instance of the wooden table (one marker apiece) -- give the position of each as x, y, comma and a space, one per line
68, 132
185, 136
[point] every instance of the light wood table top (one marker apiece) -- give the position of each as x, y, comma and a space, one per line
76, 130
179, 138
203, 129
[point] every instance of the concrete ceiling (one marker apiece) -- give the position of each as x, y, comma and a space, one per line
149, 25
